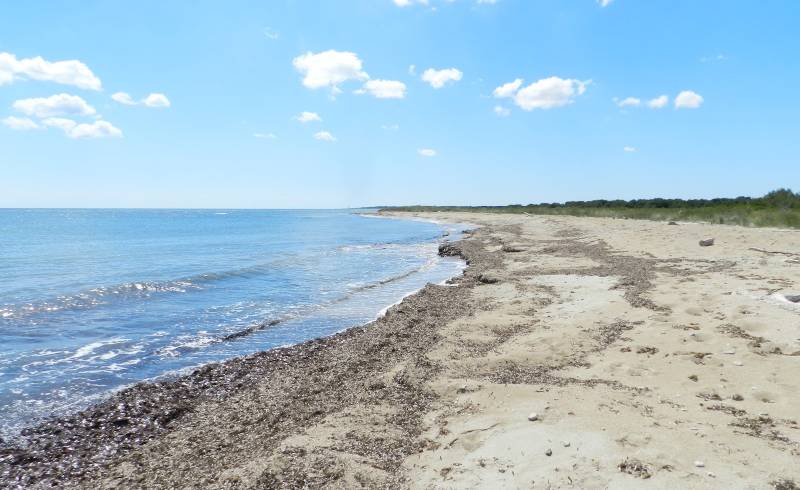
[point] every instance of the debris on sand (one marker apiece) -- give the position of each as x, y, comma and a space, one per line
707, 243
636, 468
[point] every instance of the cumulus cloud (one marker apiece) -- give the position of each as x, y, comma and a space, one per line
152, 100
329, 68
324, 136
508, 89
629, 102
55, 105
659, 102
123, 98
427, 152
546, 93
74, 130
20, 123
306, 116
156, 100
406, 3
384, 89
688, 100
502, 111
440, 78
68, 72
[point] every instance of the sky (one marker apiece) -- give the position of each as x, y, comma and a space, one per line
348, 103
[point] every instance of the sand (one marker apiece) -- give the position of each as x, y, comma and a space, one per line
644, 360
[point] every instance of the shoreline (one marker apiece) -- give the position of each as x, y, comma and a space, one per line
149, 409
571, 352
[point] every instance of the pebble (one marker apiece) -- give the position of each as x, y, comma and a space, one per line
699, 464
711, 474
738, 363
533, 417
566, 443
549, 452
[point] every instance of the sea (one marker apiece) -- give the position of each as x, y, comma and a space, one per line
95, 300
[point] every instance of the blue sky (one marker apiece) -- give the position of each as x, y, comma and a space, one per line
215, 90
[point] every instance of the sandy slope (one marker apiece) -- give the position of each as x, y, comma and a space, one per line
649, 361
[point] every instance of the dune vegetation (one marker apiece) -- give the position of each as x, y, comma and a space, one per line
779, 208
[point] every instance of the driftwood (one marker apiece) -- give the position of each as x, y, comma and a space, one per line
775, 252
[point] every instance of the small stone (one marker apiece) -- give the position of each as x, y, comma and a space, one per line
533, 417
699, 464
737, 397
566, 444
549, 452
707, 243
738, 363
711, 474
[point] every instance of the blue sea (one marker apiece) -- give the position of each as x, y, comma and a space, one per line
94, 300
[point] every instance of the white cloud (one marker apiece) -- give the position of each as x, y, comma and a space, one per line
55, 105
306, 116
508, 89
659, 102
329, 68
272, 34
123, 98
96, 129
487, 2
629, 149
20, 123
384, 89
549, 93
69, 72
629, 102
406, 3
390, 127
440, 78
604, 3
324, 136
688, 100
265, 136
156, 100
412, 69
427, 152
502, 111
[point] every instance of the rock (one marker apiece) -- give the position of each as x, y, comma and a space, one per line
533, 417
794, 298
549, 452
567, 444
737, 397
693, 377
448, 249
672, 223
707, 243
729, 351
699, 464
487, 279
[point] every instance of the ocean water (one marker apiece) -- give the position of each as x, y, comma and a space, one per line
93, 300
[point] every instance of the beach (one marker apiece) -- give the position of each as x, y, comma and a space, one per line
571, 353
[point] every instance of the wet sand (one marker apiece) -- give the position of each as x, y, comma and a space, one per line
643, 359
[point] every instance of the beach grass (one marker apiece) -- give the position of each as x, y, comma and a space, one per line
780, 209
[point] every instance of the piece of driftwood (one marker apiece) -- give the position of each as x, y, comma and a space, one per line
774, 252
